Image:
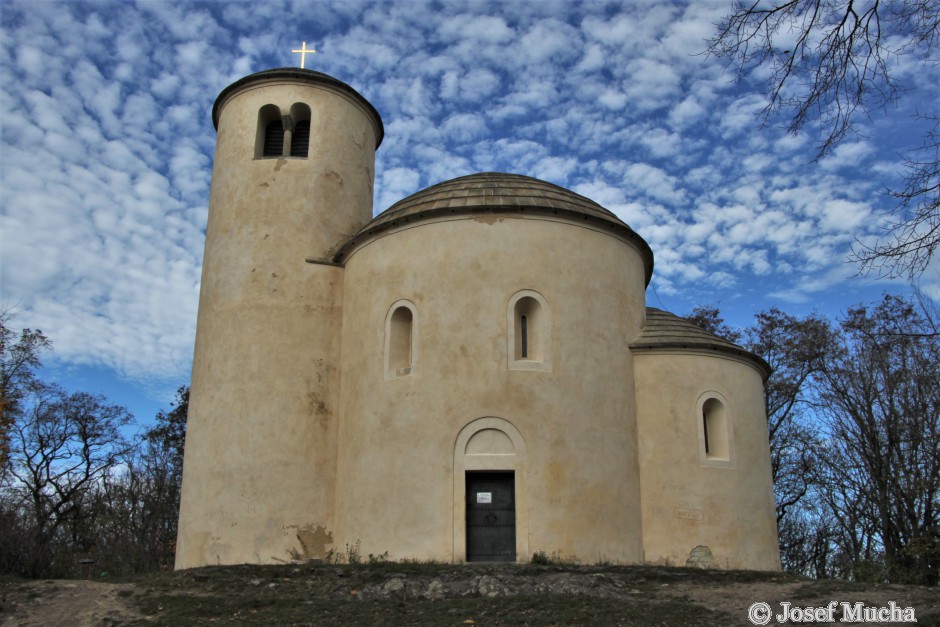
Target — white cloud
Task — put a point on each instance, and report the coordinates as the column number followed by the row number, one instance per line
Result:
column 395, row 184
column 476, row 85
column 30, row 59
column 165, row 85
column 613, row 99
column 740, row 116
column 811, row 288
column 650, row 84
column 475, row 28
column 602, row 193
column 411, row 95
column 789, row 143
column 554, row 168
column 661, row 143
column 929, row 281
column 686, row 38
column 850, row 155
column 687, row 112
column 653, row 182
column 843, row 215
column 548, row 42
column 592, row 59
column 108, row 144
column 627, row 34
column 463, row 127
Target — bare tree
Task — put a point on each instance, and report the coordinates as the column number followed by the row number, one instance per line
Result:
column 61, row 448
column 880, row 402
column 795, row 348
column 74, row 482
column 831, row 61
column 19, row 359
column 914, row 229
column 807, row 539
column 709, row 318
column 143, row 501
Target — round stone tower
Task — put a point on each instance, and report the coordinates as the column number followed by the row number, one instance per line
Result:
column 292, row 180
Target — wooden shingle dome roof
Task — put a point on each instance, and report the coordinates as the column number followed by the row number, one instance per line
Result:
column 666, row 330
column 491, row 190
column 497, row 192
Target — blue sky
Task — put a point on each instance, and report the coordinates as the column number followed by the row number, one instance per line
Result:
column 107, row 145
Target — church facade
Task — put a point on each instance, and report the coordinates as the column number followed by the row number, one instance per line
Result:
column 471, row 375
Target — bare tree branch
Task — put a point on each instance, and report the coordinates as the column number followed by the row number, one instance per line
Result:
column 831, row 61
column 913, row 232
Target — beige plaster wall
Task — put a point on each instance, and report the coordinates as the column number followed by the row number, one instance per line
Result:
column 259, row 467
column 405, row 442
column 688, row 500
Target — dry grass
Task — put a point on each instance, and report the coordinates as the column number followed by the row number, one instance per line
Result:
column 444, row 594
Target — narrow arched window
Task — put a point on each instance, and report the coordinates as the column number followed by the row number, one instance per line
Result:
column 715, row 432
column 399, row 348
column 529, row 331
column 300, row 138
column 269, row 141
column 399, row 340
column 281, row 135
column 528, row 344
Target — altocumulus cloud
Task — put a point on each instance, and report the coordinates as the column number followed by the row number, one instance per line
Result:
column 107, row 146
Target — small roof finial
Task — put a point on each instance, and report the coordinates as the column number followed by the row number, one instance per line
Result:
column 303, row 51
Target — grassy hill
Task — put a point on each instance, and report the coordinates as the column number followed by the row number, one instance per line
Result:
column 437, row 594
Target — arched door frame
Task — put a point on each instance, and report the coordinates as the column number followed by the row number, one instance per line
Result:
column 464, row 462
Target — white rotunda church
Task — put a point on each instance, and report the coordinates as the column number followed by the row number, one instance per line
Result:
column 471, row 375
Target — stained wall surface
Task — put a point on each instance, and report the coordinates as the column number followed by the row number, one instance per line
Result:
column 566, row 427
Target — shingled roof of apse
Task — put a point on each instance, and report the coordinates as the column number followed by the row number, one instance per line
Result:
column 498, row 192
column 666, row 330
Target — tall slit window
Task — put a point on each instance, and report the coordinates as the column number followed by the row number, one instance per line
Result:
column 399, row 340
column 705, row 429
column 524, row 324
column 529, row 328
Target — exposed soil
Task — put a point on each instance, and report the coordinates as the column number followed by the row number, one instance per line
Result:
column 67, row 602
column 438, row 594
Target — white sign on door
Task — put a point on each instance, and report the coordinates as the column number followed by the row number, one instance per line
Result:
column 484, row 497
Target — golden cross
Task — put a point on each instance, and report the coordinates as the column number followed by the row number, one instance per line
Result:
column 304, row 51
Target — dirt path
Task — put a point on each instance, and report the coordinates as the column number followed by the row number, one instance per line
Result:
column 68, row 602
